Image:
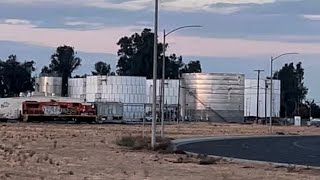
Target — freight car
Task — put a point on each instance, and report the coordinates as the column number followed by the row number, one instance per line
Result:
column 109, row 112
column 52, row 111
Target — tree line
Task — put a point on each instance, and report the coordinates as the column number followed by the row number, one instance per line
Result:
column 135, row 59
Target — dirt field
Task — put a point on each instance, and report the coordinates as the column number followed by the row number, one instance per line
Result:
column 79, row 152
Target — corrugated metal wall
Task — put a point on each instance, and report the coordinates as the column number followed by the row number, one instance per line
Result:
column 171, row 91
column 49, row 85
column 250, row 105
column 217, row 97
column 129, row 90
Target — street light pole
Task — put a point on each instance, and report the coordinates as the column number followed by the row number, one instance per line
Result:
column 164, row 70
column 271, row 85
column 162, row 82
column 271, row 92
column 155, row 59
column 258, row 95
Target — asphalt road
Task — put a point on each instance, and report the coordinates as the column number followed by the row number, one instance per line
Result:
column 291, row 150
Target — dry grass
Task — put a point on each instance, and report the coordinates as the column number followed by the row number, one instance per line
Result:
column 43, row 151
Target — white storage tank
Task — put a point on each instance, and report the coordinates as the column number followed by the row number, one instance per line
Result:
column 77, row 88
column 217, row 97
column 171, row 91
column 250, row 105
column 125, row 89
column 50, row 86
column 129, row 90
column 93, row 88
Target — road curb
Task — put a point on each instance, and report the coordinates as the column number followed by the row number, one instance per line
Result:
column 180, row 142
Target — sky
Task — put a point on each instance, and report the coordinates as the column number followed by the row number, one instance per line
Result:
column 237, row 36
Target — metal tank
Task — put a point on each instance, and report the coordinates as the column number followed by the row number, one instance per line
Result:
column 77, row 88
column 129, row 90
column 171, row 91
column 50, row 86
column 250, row 105
column 215, row 97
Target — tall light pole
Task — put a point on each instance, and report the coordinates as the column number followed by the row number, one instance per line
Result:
column 155, row 57
column 265, row 100
column 258, row 95
column 271, row 85
column 163, row 71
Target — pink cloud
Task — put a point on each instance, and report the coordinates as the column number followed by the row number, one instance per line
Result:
column 104, row 41
column 224, row 47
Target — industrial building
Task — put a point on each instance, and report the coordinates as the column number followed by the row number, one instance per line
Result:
column 216, row 97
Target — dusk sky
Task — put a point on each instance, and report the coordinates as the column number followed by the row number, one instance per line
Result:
column 237, row 36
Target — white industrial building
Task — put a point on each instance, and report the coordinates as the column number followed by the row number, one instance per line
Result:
column 250, row 104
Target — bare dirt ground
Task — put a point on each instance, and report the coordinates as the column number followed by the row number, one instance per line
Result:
column 85, row 152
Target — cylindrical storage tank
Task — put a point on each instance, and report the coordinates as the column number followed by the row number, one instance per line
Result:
column 250, row 105
column 216, row 97
column 129, row 90
column 49, row 85
column 77, row 88
column 171, row 91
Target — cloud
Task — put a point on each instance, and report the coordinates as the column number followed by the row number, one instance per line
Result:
column 217, row 6
column 236, row 47
column 313, row 17
column 17, row 21
column 171, row 5
column 83, row 24
column 103, row 40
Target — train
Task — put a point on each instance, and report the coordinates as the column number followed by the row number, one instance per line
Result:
column 40, row 110
column 51, row 111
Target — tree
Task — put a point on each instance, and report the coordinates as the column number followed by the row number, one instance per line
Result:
column 101, row 68
column 63, row 63
column 136, row 57
column 310, row 108
column 192, row 67
column 15, row 77
column 293, row 91
column 46, row 71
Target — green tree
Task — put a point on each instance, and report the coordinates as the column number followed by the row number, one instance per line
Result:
column 63, row 62
column 136, row 57
column 192, row 67
column 46, row 71
column 293, row 91
column 15, row 77
column 101, row 68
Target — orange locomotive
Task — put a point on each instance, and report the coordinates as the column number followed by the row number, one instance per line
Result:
column 51, row 111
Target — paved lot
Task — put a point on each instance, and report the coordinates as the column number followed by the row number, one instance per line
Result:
column 292, row 150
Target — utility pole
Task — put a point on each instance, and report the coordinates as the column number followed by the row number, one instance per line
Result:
column 155, row 61
column 258, row 91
